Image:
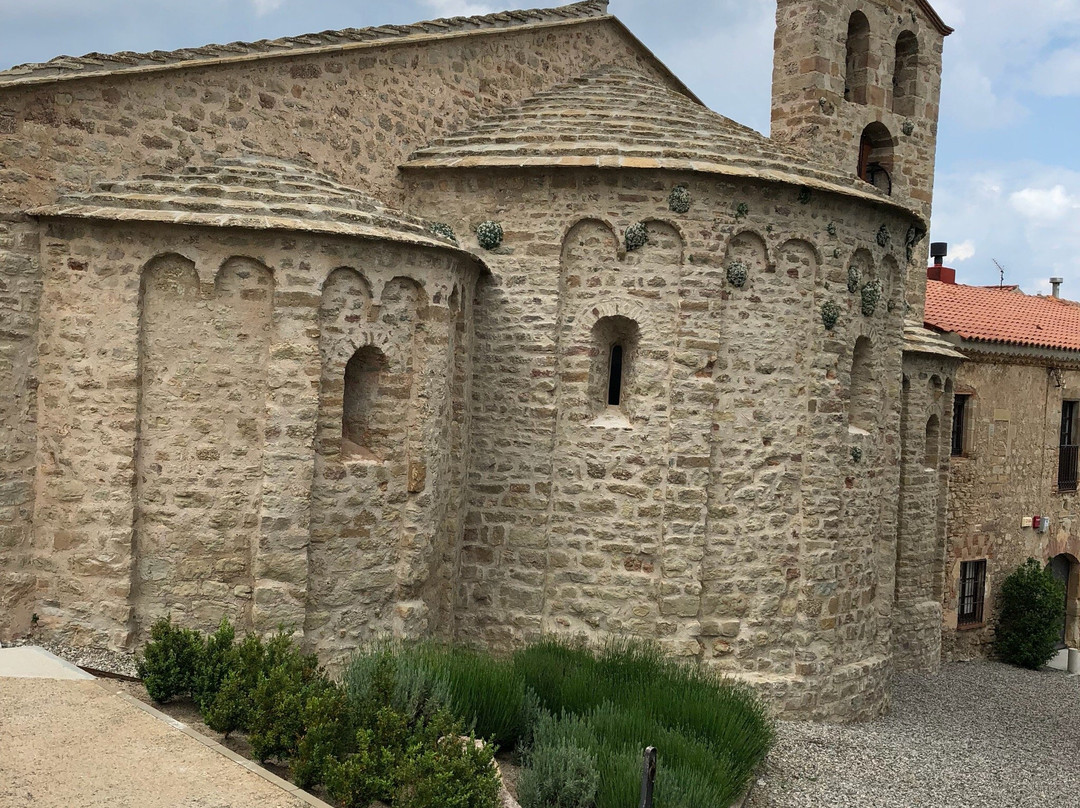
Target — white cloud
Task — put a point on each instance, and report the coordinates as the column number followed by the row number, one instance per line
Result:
column 266, row 6
column 969, row 94
column 961, row 252
column 1044, row 205
column 1058, row 74
column 460, row 8
column 1024, row 215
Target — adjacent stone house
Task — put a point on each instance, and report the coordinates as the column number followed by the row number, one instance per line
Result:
column 1013, row 449
column 481, row 329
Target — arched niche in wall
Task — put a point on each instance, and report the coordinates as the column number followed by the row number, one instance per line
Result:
column 933, row 441
column 345, row 304
column 665, row 245
column 747, row 248
column 906, row 74
column 367, row 415
column 344, row 324
column 857, row 58
column 876, row 163
column 861, row 269
column 590, row 240
column 864, row 398
column 892, row 282
column 797, row 260
column 590, row 251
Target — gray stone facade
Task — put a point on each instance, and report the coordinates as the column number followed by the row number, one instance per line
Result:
column 242, row 384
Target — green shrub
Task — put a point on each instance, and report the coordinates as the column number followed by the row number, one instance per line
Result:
column 380, row 753
column 288, row 679
column 329, row 733
column 454, row 773
column 1031, row 609
column 216, row 658
column 363, row 776
column 232, row 706
column 169, row 660
column 558, row 774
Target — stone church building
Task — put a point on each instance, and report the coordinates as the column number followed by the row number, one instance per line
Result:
column 482, row 328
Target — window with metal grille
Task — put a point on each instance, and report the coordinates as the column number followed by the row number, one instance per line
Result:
column 1067, row 447
column 959, row 417
column 969, row 608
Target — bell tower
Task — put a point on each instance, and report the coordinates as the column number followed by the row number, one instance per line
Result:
column 856, row 85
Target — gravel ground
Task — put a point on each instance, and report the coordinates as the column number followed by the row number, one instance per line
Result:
column 97, row 658
column 977, row 734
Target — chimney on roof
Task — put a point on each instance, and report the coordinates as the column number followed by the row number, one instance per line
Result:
column 940, row 272
column 1055, row 284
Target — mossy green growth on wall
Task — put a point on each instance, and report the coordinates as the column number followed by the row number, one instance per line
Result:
column 636, row 236
column 830, row 314
column 871, row 295
column 489, row 234
column 443, row 230
column 737, row 273
column 679, row 199
column 854, row 277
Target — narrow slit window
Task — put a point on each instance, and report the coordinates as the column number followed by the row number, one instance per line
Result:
column 615, row 376
column 960, row 406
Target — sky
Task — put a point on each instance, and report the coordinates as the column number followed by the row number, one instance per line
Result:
column 1008, row 171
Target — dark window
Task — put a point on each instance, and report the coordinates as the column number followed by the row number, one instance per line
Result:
column 1067, row 449
column 614, row 390
column 876, row 157
column 969, row 607
column 959, row 417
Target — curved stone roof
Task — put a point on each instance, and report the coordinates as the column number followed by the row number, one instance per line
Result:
column 93, row 64
column 253, row 192
column 619, row 118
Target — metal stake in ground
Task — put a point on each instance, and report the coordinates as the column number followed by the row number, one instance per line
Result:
column 648, row 777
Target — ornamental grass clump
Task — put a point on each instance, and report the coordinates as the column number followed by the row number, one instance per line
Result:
column 1031, row 610
column 486, row 693
column 710, row 733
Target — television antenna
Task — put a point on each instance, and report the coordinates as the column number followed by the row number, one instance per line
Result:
column 1001, row 273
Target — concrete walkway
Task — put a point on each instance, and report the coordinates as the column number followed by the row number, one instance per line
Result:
column 73, row 742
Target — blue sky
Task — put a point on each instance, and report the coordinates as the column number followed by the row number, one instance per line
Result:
column 1008, row 174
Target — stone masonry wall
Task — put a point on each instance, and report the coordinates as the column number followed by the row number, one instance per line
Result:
column 356, row 114
column 719, row 508
column 1008, row 472
column 20, row 292
column 180, row 381
column 920, row 549
column 203, row 356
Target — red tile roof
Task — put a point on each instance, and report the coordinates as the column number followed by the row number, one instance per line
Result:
column 1007, row 315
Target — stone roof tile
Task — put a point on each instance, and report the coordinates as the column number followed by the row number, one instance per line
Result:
column 252, row 191
column 620, row 117
column 68, row 67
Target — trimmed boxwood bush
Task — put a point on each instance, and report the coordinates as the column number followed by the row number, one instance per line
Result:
column 216, row 658
column 1031, row 608
column 168, row 664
